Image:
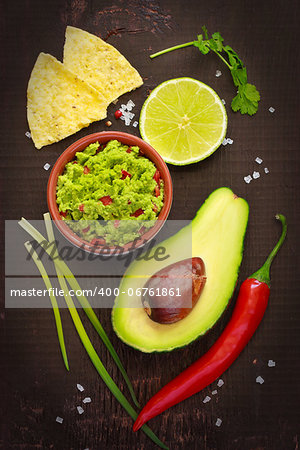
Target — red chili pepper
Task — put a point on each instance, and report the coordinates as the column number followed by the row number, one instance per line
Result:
column 85, row 230
column 249, row 310
column 129, row 150
column 157, row 191
column 63, row 213
column 125, row 174
column 156, row 176
column 137, row 213
column 81, row 207
column 117, row 223
column 106, row 200
column 155, row 208
column 75, row 162
column 98, row 241
column 86, row 170
column 118, row 114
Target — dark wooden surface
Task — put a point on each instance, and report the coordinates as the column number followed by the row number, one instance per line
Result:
column 35, row 387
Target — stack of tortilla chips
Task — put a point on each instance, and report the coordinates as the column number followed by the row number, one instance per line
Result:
column 63, row 98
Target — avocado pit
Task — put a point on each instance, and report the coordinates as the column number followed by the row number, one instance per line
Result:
column 172, row 292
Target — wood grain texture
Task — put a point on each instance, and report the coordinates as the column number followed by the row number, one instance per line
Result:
column 35, row 387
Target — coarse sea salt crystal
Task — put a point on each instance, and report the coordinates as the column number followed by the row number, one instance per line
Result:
column 271, row 363
column 223, row 101
column 207, row 399
column 80, row 410
column 224, row 142
column 220, row 382
column 214, row 392
column 218, row 73
column 259, row 380
column 126, row 119
column 47, row 166
column 87, row 400
column 130, row 103
column 135, row 124
column 59, row 419
column 229, row 141
column 271, row 109
column 28, row 134
column 258, row 160
column 266, row 170
column 247, row 179
column 124, row 107
column 218, row 422
column 79, row 387
column 130, row 115
column 255, row 175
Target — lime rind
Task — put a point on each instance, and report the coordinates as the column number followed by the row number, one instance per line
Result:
column 173, row 111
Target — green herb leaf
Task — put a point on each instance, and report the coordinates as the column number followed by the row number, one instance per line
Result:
column 201, row 44
column 216, row 42
column 233, row 57
column 239, row 76
column 246, row 101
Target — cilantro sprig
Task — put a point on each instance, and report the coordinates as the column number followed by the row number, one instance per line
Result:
column 247, row 98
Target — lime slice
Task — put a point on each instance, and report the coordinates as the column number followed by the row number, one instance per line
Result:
column 184, row 120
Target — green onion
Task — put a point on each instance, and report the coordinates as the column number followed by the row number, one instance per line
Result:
column 51, row 250
column 56, row 312
column 89, row 347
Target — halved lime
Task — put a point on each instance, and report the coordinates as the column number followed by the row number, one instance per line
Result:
column 184, row 120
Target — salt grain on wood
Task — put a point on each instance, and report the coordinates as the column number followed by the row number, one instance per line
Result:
column 79, row 387
column 247, row 179
column 220, row 382
column 135, row 124
column 87, row 400
column 80, row 410
column 59, row 419
column 266, row 170
column 218, row 422
column 214, row 392
column 255, row 175
column 207, row 399
column 229, row 141
column 259, row 380
column 271, row 363
column 27, row 134
column 47, row 166
column 224, row 142
column 258, row 160
column 271, row 109
column 218, row 73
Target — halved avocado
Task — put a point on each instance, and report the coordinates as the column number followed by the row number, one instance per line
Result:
column 218, row 231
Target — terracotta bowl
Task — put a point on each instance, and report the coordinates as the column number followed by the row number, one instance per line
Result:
column 103, row 137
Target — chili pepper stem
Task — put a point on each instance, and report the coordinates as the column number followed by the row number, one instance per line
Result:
column 263, row 274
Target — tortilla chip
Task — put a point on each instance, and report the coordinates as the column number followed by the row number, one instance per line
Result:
column 59, row 103
column 99, row 64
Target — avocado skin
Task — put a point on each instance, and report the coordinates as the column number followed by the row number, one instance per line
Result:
column 218, row 231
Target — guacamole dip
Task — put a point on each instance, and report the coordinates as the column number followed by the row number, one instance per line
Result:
column 110, row 193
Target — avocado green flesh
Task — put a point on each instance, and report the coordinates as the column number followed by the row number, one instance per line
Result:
column 218, row 232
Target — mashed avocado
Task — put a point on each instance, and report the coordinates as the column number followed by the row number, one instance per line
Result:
column 107, row 191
